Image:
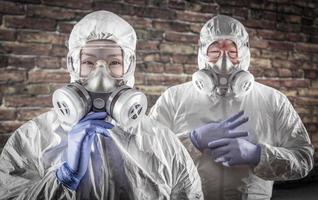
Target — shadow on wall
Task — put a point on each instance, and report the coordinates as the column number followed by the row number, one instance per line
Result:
column 305, row 188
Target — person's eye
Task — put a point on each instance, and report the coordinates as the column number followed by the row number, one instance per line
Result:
column 233, row 54
column 214, row 53
column 115, row 62
column 87, row 62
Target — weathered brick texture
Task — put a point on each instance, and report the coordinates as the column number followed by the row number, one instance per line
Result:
column 283, row 40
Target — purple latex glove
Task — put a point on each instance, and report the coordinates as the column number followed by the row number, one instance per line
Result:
column 80, row 140
column 203, row 135
column 235, row 151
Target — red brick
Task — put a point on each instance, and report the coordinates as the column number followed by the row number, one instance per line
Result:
column 272, row 35
column 181, row 37
column 27, row 101
column 210, row 8
column 190, row 69
column 307, row 101
column 41, row 37
column 177, row 48
column 42, row 11
column 288, row 27
column 138, row 22
column 241, row 12
column 177, row 4
column 25, row 114
column 12, row 75
column 12, row 88
column 149, row 34
column 270, row 73
column 170, row 25
column 283, row 64
column 255, row 52
column 147, row 45
column 83, row 4
column 274, row 54
column 152, row 67
column 193, row 16
column 152, row 57
column 58, row 50
column 298, row 73
column 43, row 76
column 270, row 82
column 297, row 37
column 46, row 62
column 25, row 48
column 196, row 28
column 261, row 63
column 7, row 114
column 11, row 8
column 257, row 72
column 264, row 24
column 65, row 27
column 153, row 12
column 3, row 61
column 295, row 83
column 136, row 2
column 29, row 23
column 7, row 127
column 21, row 61
column 7, row 35
column 311, row 74
column 261, row 44
column 280, row 45
column 283, row 72
column 308, row 92
column 185, row 59
column 300, row 56
column 36, row 89
column 173, row 68
column 307, row 47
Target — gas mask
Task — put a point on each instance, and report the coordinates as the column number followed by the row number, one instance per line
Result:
column 99, row 92
column 223, row 78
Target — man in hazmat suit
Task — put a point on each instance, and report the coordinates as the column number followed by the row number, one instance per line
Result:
column 79, row 151
column 241, row 134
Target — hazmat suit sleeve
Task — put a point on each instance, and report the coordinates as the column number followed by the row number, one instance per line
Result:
column 292, row 155
column 22, row 175
column 186, row 182
column 164, row 112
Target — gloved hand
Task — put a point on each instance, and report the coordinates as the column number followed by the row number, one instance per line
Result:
column 235, row 151
column 80, row 140
column 201, row 136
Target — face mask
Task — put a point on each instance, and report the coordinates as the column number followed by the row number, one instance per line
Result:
column 237, row 83
column 99, row 80
column 99, row 93
column 224, row 65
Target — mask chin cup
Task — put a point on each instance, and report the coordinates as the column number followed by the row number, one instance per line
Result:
column 71, row 103
column 202, row 80
column 126, row 105
column 242, row 83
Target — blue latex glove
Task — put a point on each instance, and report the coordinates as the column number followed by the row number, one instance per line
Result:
column 80, row 140
column 201, row 136
column 235, row 151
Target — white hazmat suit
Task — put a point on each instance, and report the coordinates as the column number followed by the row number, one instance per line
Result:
column 150, row 163
column 286, row 151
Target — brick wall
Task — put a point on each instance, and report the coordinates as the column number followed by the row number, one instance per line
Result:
column 283, row 35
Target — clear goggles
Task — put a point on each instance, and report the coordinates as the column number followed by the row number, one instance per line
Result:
column 222, row 47
column 110, row 57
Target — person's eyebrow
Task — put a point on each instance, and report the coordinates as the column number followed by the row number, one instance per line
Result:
column 118, row 54
column 88, row 54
